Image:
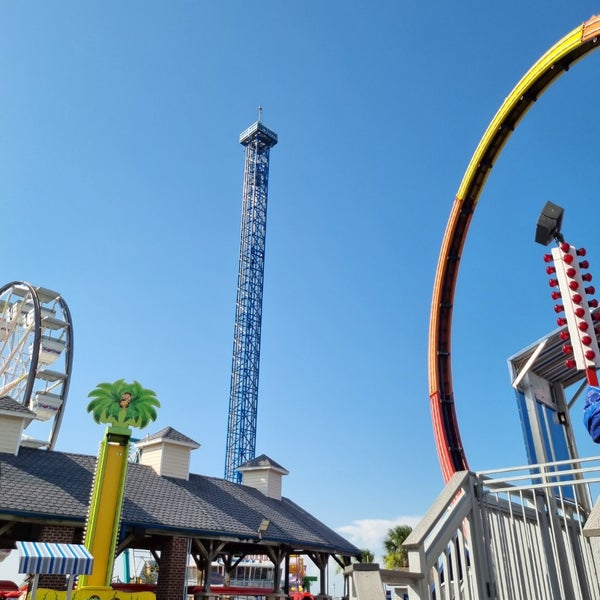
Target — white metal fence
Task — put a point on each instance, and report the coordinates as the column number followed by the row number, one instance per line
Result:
column 508, row 534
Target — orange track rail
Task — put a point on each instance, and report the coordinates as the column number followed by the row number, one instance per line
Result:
column 546, row 70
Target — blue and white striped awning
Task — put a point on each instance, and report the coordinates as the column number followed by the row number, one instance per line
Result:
column 56, row 559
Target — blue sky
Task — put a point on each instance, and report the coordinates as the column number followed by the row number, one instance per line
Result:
column 121, row 183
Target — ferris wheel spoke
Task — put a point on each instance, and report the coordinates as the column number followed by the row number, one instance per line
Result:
column 14, row 350
column 6, row 389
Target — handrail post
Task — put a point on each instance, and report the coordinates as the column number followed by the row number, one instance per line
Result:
column 485, row 581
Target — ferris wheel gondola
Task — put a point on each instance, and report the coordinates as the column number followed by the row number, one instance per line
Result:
column 36, row 355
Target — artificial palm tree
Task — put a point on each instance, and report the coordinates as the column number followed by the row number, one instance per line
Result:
column 123, row 404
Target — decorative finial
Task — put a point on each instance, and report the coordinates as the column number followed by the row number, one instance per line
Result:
column 259, row 114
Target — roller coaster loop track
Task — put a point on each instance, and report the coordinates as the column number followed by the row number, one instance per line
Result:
column 556, row 61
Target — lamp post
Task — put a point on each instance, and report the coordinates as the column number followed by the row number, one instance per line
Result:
column 569, row 286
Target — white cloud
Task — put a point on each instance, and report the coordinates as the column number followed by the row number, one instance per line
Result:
column 370, row 533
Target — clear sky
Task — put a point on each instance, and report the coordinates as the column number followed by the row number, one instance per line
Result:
column 121, row 185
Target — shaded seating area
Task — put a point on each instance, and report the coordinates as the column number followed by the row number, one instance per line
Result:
column 174, row 518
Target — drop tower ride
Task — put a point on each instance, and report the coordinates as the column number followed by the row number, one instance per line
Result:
column 243, row 399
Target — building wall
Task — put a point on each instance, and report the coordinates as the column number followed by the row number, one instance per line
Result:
column 176, row 461
column 267, row 482
column 10, row 436
column 168, row 460
column 172, row 570
column 152, row 456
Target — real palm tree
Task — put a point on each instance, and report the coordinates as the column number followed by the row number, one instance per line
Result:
column 396, row 556
column 123, row 404
column 366, row 556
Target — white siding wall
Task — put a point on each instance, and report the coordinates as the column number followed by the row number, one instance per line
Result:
column 266, row 481
column 10, row 434
column 168, row 460
column 151, row 456
column 176, row 461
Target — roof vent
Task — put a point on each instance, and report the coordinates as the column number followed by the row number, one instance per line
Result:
column 263, row 474
column 167, row 452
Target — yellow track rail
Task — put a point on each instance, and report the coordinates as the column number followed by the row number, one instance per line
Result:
column 581, row 41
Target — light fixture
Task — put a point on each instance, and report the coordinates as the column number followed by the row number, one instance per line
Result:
column 262, row 528
column 549, row 223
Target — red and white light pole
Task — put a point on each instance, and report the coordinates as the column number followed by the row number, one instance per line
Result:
column 571, row 286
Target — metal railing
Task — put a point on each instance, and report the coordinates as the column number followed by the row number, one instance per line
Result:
column 507, row 534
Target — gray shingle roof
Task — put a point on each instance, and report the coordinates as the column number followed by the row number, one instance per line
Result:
column 47, row 484
column 262, row 462
column 8, row 404
column 168, row 433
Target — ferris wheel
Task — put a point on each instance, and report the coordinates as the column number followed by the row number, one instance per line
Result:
column 36, row 356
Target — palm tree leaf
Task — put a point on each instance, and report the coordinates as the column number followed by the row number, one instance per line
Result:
column 136, row 390
column 120, row 387
column 151, row 413
column 98, row 403
column 106, row 389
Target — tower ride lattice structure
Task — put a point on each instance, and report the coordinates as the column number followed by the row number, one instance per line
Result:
column 243, row 399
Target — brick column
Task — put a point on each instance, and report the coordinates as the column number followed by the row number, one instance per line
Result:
column 56, row 534
column 172, row 580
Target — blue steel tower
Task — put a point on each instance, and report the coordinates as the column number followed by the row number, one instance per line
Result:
column 243, row 399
